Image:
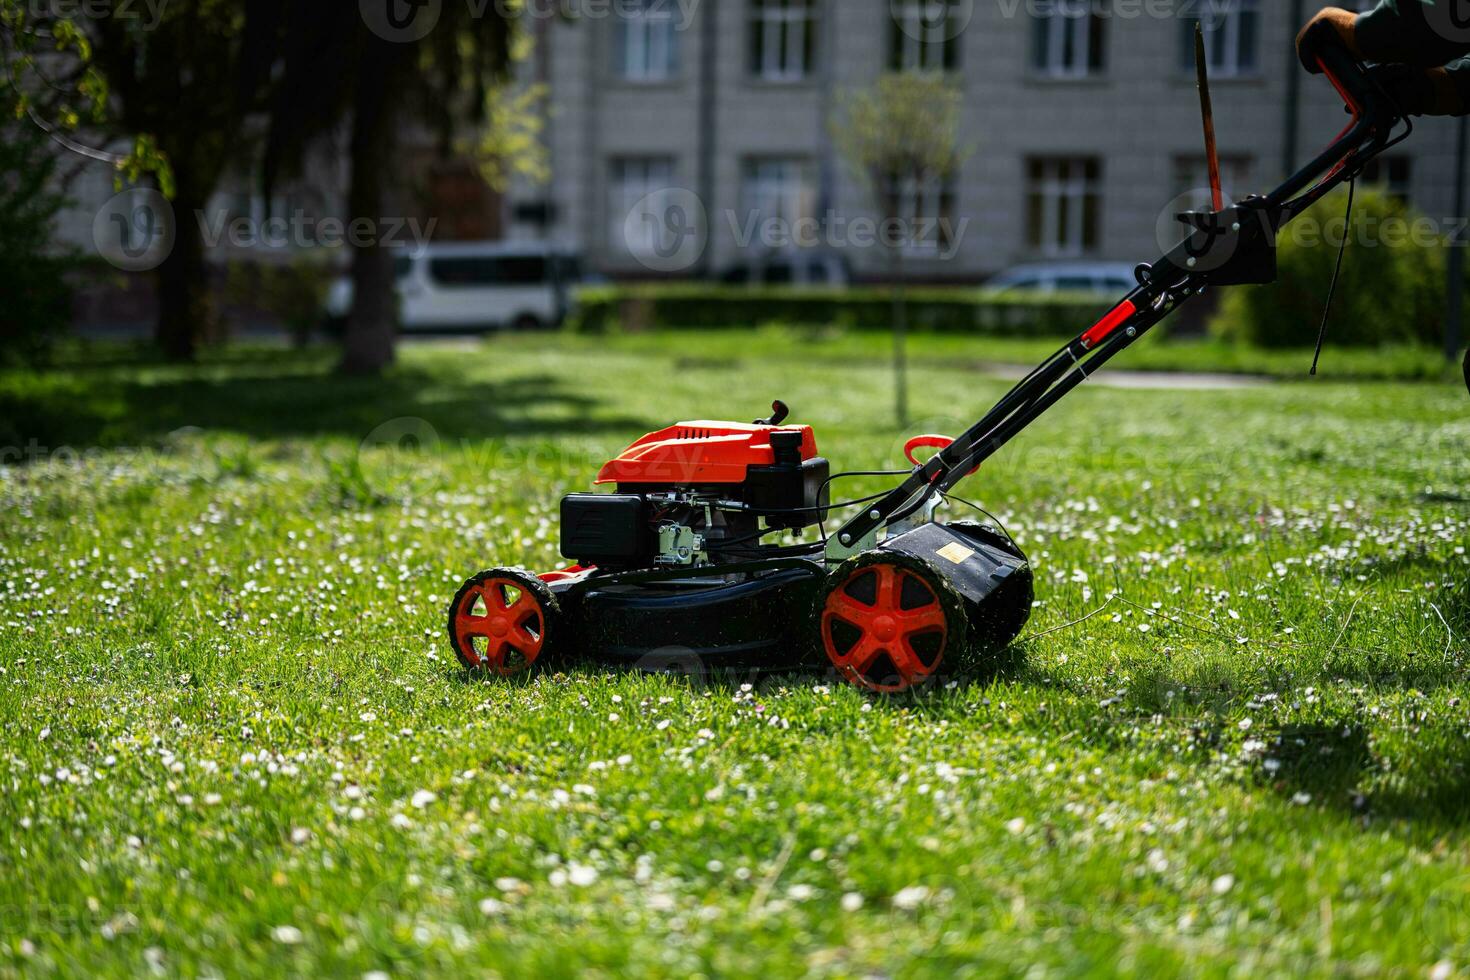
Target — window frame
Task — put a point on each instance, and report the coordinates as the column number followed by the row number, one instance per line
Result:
column 794, row 191
column 653, row 19
column 1053, row 193
column 908, row 51
column 1191, row 173
column 625, row 191
column 1223, row 27
column 782, row 32
column 908, row 197
column 1071, row 23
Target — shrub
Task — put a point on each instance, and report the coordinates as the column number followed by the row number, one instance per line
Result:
column 640, row 307
column 1392, row 288
column 294, row 292
column 33, row 267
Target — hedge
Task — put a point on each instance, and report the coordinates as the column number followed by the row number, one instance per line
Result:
column 1392, row 289
column 649, row 306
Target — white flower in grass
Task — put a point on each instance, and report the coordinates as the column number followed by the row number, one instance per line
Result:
column 851, row 902
column 508, row 884
column 491, row 906
column 801, row 893
column 423, row 798
column 910, row 898
column 1016, row 826
column 1222, row 884
column 401, row 821
column 581, row 875
column 300, row 835
column 287, row 935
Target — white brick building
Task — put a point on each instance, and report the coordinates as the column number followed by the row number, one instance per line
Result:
column 1083, row 115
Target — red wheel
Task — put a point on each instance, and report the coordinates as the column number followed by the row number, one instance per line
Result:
column 887, row 622
column 499, row 621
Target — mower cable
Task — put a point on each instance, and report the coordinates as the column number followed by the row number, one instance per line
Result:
column 976, row 507
column 1337, row 271
column 1073, row 624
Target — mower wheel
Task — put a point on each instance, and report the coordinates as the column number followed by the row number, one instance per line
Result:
column 503, row 621
column 888, row 620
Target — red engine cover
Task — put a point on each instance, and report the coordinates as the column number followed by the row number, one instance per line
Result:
column 700, row 452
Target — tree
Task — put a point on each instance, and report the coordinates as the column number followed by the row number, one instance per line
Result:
column 1391, row 290
column 904, row 128
column 338, row 66
column 32, row 270
column 181, row 84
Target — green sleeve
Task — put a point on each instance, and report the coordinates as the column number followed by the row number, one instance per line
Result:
column 1422, row 33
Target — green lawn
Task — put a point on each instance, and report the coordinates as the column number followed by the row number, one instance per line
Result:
column 235, row 741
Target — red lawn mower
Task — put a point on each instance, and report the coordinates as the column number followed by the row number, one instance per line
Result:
column 672, row 569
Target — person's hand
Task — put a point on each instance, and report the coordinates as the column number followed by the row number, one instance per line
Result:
column 1313, row 37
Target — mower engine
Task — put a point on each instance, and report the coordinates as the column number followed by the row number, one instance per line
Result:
column 695, row 494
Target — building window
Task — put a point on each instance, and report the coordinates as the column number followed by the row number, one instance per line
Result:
column 1067, row 39
column 926, row 207
column 778, row 189
column 1192, row 181
column 1393, row 175
column 640, row 187
column 783, row 39
column 1064, row 205
column 1232, row 36
column 645, row 43
column 925, row 35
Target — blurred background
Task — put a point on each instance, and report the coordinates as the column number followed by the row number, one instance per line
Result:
column 183, row 175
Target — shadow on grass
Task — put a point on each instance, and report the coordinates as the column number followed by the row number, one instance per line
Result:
column 275, row 395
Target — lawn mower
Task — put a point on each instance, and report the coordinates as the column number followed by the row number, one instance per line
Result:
column 672, row 567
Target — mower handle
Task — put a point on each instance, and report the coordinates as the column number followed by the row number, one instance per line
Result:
column 1162, row 288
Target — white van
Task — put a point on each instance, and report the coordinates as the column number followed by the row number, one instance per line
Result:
column 477, row 286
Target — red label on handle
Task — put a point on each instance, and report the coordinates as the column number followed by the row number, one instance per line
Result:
column 1104, row 328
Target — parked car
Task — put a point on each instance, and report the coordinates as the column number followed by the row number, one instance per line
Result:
column 796, row 267
column 477, row 286
column 1066, row 277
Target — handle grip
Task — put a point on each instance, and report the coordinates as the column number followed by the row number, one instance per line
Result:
column 928, row 442
column 1341, row 67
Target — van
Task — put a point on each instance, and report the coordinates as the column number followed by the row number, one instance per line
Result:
column 1103, row 278
column 476, row 286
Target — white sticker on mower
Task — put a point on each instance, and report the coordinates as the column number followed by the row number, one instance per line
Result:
column 956, row 553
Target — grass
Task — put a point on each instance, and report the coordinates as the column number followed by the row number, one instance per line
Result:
column 234, row 741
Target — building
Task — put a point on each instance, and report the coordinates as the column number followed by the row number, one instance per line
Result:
column 1083, row 115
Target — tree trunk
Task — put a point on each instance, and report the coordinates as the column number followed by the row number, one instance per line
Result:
column 184, row 301
column 367, row 344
